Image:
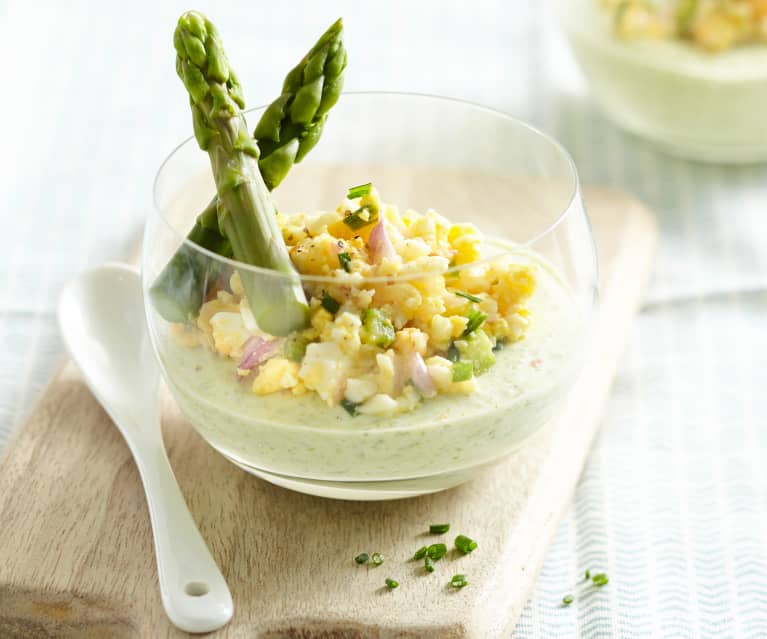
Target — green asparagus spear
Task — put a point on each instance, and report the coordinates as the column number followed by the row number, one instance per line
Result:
column 246, row 213
column 282, row 140
column 291, row 125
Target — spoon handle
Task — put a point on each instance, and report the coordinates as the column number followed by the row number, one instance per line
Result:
column 194, row 593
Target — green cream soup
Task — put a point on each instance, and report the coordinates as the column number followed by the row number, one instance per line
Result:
column 301, row 436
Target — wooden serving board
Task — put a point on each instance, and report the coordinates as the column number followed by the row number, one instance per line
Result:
column 76, row 557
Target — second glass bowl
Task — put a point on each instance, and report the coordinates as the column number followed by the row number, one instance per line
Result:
column 691, row 103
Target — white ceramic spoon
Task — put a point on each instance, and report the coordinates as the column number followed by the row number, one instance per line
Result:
column 101, row 314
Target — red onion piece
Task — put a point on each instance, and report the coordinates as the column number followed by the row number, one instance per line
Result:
column 379, row 243
column 256, row 351
column 420, row 375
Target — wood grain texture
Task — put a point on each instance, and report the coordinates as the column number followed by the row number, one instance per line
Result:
column 76, row 559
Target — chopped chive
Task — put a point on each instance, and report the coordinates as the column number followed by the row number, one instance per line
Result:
column 600, row 580
column 476, row 318
column 356, row 221
column 462, row 371
column 359, row 191
column 362, row 558
column 469, row 296
column 345, row 260
column 452, row 353
column 465, row 544
column 428, row 564
column 329, row 304
column 377, row 558
column 459, row 581
column 439, row 529
column 436, row 551
column 350, row 407
column 567, row 600
column 391, row 584
column 420, row 553
column 587, row 575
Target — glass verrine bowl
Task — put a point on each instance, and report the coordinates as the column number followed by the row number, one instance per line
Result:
column 330, row 432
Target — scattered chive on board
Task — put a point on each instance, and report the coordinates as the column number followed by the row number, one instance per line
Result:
column 420, row 553
column 377, row 558
column 567, row 600
column 428, row 564
column 391, row 584
column 459, row 581
column 439, row 529
column 465, row 544
column 362, row 558
column 359, row 191
column 469, row 296
column 587, row 575
column 436, row 551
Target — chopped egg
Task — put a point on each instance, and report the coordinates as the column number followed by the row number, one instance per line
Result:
column 275, row 375
column 388, row 306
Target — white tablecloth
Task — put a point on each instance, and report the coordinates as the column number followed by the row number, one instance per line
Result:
column 673, row 499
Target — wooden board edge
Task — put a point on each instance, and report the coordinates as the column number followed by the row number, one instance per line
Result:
column 61, row 615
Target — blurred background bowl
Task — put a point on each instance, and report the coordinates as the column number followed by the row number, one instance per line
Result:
column 691, row 103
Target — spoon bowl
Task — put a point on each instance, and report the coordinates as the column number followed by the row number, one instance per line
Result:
column 101, row 316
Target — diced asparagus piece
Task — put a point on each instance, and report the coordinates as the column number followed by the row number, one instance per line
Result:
column 246, row 213
column 476, row 349
column 377, row 329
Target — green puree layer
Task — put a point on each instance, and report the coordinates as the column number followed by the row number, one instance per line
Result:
column 304, row 437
